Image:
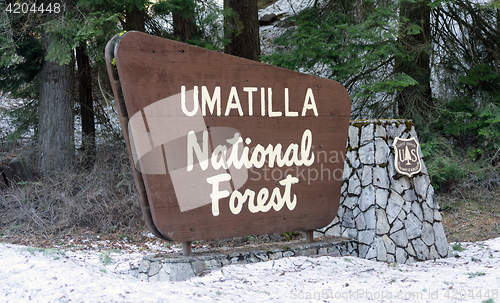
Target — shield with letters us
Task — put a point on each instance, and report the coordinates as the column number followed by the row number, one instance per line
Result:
column 407, row 161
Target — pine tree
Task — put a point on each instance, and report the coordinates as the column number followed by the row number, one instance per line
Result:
column 55, row 110
column 414, row 59
column 242, row 29
column 407, row 157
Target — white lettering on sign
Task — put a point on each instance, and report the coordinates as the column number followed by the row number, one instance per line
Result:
column 238, row 155
column 261, row 204
column 273, row 154
column 213, row 103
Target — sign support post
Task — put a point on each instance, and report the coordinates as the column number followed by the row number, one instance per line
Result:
column 186, row 248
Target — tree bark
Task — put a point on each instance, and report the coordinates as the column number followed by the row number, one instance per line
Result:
column 86, row 105
column 135, row 20
column 55, row 115
column 184, row 27
column 417, row 99
column 243, row 29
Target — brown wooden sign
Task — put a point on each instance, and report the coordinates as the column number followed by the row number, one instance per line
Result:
column 407, row 160
column 222, row 146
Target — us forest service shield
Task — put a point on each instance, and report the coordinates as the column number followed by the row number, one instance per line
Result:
column 407, row 160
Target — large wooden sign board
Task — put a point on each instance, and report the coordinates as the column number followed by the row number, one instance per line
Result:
column 223, row 146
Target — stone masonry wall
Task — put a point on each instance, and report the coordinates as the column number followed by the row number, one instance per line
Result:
column 392, row 217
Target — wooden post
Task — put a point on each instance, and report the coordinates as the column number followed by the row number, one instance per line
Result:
column 186, row 248
column 309, row 236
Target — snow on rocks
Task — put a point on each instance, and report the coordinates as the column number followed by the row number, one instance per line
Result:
column 393, row 217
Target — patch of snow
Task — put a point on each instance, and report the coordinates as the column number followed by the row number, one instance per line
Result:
column 85, row 275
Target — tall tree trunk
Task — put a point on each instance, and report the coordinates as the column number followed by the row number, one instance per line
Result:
column 184, row 27
column 86, row 105
column 415, row 100
column 243, row 29
column 55, row 115
column 135, row 20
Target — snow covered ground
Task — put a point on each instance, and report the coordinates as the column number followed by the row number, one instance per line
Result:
column 90, row 275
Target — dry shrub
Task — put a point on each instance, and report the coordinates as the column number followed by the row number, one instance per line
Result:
column 102, row 199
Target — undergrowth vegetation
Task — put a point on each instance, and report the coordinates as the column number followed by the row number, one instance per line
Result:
column 102, row 199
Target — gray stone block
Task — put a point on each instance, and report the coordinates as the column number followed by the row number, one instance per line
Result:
column 144, row 266
column 381, row 197
column 382, row 151
column 367, row 176
column 390, row 247
column 410, row 196
column 353, row 136
column 199, row 266
column 343, row 189
column 396, row 225
column 181, row 271
column 441, row 243
column 322, row 251
column 363, row 250
column 370, row 218
column 276, row 255
column 341, row 211
column 372, row 253
column 391, row 170
column 437, row 215
column 163, row 275
column 211, row 264
column 401, row 255
column 154, row 268
column 427, row 233
column 431, row 198
column 382, row 223
column 348, row 220
column 346, row 174
column 428, row 213
column 367, row 154
column 406, row 207
column 333, row 231
column 366, row 237
column 355, row 212
column 413, row 226
column 333, row 250
column 394, row 206
column 410, row 250
column 354, row 187
column 421, row 183
column 367, row 198
column 353, row 158
column 400, row 185
column 394, row 130
column 350, row 233
column 417, row 210
column 360, row 222
column 421, row 249
column 307, row 252
column 380, row 177
column 367, row 133
column 380, row 131
column 262, row 256
column 400, row 238
column 433, row 254
column 381, row 251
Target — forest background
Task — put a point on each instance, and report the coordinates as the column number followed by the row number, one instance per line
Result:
column 434, row 62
